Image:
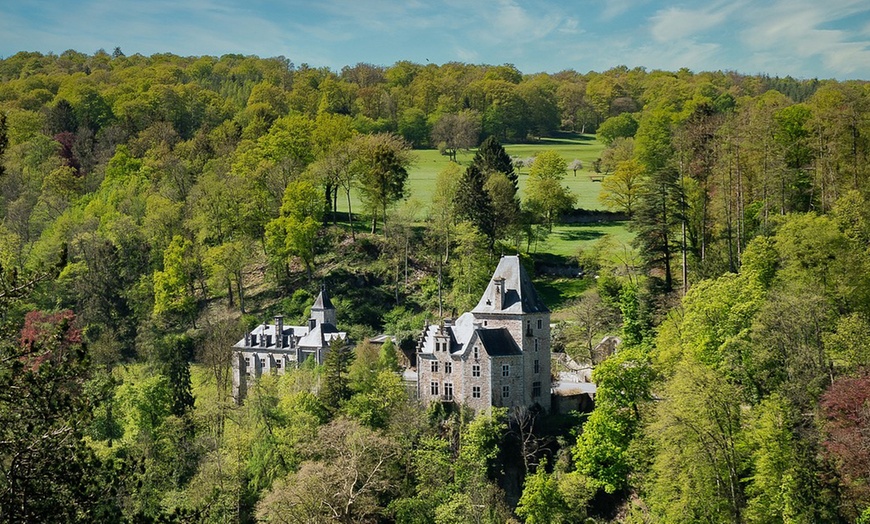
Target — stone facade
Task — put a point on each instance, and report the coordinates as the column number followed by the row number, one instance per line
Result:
column 273, row 348
column 498, row 354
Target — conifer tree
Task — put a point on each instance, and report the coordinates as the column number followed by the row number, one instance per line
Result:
column 473, row 203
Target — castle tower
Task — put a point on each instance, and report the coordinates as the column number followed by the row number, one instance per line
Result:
column 323, row 312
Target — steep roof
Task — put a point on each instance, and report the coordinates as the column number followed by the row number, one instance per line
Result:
column 322, row 301
column 519, row 293
column 498, row 342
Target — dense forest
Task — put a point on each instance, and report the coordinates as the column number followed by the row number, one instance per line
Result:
column 153, row 208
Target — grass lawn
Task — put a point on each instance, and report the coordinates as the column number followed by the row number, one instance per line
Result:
column 421, row 176
column 565, row 241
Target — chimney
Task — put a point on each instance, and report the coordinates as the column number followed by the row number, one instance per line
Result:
column 279, row 331
column 499, row 291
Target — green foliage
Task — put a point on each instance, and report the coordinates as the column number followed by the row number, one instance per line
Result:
column 621, row 126
column 603, row 449
column 335, row 389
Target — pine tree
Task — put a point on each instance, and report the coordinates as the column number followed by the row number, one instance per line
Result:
column 491, row 157
column 473, row 203
column 335, row 388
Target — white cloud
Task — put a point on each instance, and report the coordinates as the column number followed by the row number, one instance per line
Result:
column 802, row 30
column 676, row 23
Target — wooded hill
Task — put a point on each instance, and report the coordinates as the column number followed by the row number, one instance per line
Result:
column 150, row 203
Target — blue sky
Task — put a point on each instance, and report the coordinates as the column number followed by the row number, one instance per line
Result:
column 801, row 38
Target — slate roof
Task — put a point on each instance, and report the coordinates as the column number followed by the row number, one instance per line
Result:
column 322, row 301
column 520, row 295
column 498, row 342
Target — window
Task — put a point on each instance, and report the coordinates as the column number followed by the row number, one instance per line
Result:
column 278, row 364
column 434, row 388
column 448, row 391
column 475, row 370
column 536, row 389
column 537, row 366
column 247, row 362
column 448, row 367
column 528, row 328
column 262, row 362
column 505, row 370
column 540, row 323
column 435, row 367
column 505, row 392
column 476, row 353
column 475, row 391
column 536, row 344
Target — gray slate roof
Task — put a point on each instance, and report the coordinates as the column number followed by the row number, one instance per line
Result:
column 520, row 294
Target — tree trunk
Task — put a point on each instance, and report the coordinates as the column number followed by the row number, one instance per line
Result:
column 350, row 216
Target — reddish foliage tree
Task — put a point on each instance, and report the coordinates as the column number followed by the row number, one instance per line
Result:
column 845, row 411
column 48, row 335
column 67, row 141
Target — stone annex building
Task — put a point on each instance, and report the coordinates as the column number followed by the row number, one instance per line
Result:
column 498, row 354
column 272, row 348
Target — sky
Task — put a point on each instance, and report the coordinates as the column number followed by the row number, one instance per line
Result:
column 800, row 38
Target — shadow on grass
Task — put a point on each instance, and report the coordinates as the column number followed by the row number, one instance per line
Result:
column 559, row 292
column 580, row 234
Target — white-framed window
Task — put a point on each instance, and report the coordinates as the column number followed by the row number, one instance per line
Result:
column 448, row 391
column 448, row 367
column 505, row 391
column 475, row 391
column 475, row 370
column 537, row 366
column 278, row 363
column 505, row 370
column 435, row 367
column 433, row 388
column 262, row 362
column 247, row 362
column 536, row 389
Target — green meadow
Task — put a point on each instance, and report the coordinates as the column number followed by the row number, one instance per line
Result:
column 566, row 241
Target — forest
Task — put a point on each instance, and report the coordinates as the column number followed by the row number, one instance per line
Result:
column 154, row 208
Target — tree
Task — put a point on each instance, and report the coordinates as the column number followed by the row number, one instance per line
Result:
column 173, row 287
column 491, row 157
column 545, row 194
column 473, row 203
column 47, row 471
column 414, row 127
column 383, row 173
column 541, row 501
column 698, row 469
column 294, row 233
column 621, row 126
column 453, row 132
column 575, row 166
column 603, row 450
column 619, row 191
column 844, row 420
column 335, row 388
column 344, row 485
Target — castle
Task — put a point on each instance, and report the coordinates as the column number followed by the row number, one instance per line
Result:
column 498, row 354
column 269, row 348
